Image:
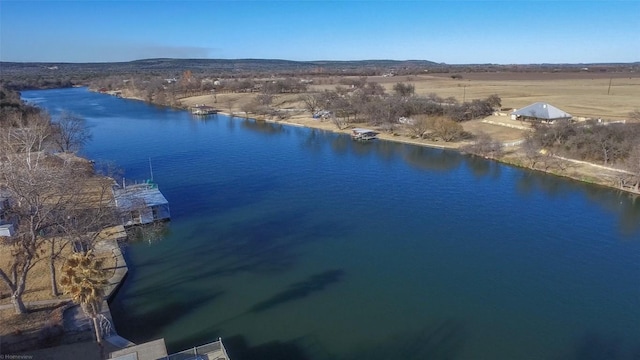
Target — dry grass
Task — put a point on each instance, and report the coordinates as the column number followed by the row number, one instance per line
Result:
column 38, row 279
column 583, row 97
column 82, row 350
column 580, row 94
column 13, row 324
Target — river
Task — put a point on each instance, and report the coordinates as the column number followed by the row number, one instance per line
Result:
column 293, row 243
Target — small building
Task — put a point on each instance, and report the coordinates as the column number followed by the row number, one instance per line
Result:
column 540, row 111
column 203, row 110
column 7, row 230
column 7, row 224
column 363, row 134
column 141, row 204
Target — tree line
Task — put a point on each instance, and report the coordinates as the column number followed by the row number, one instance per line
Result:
column 427, row 117
column 54, row 200
column 609, row 144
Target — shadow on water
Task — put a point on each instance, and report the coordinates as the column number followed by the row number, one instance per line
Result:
column 265, row 245
column 595, row 346
column 150, row 324
column 624, row 205
column 293, row 292
column 442, row 341
column 299, row 290
column 481, row 167
column 314, row 140
column 340, row 144
column 239, row 349
column 388, row 150
column 263, row 127
column 432, row 159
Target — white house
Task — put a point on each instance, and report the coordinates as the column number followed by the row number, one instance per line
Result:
column 540, row 111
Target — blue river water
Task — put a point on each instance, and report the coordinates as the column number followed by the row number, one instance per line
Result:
column 293, row 243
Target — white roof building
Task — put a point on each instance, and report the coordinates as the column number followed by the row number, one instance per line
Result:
column 540, row 111
column 141, row 204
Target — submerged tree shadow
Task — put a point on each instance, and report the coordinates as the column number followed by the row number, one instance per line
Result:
column 442, row 341
column 238, row 349
column 432, row 159
column 293, row 292
column 299, row 290
column 150, row 324
column 595, row 346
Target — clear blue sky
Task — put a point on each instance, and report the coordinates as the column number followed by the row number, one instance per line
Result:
column 454, row 32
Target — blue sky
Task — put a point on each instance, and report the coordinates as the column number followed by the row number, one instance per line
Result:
column 454, row 32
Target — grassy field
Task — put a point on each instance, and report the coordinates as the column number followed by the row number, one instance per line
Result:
column 38, row 280
column 581, row 94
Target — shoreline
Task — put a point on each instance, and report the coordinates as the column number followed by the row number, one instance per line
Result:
column 505, row 159
column 509, row 158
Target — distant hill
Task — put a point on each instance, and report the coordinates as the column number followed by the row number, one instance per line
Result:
column 22, row 75
column 210, row 65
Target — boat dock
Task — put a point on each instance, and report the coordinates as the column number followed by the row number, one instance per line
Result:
column 203, row 110
column 363, row 134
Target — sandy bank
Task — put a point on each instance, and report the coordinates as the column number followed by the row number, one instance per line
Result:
column 230, row 105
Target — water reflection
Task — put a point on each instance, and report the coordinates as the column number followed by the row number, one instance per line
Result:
column 624, row 205
column 431, row 159
column 482, row 168
column 361, row 148
column 299, row 290
column 440, row 341
column 387, row 150
column 314, row 140
column 340, row 144
column 263, row 126
column 530, row 182
column 148, row 233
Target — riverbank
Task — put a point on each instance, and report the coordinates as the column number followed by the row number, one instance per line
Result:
column 267, row 208
column 497, row 127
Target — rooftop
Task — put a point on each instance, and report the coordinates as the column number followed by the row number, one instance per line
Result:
column 132, row 197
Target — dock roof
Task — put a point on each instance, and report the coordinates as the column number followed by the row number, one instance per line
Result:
column 134, row 197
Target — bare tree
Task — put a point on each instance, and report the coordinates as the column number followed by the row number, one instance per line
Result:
column 44, row 198
column 485, row 146
column 71, row 132
column 447, row 130
column 89, row 209
column 494, row 101
column 633, row 164
column 229, row 102
column 419, row 125
column 265, row 99
column 23, row 178
column 532, row 151
column 312, row 102
column 404, row 90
